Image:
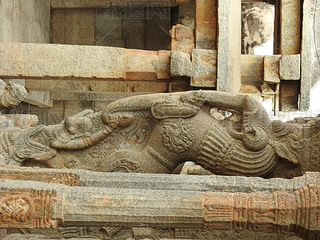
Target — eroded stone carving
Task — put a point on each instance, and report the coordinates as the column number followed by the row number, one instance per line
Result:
column 31, row 209
column 157, row 132
column 11, row 94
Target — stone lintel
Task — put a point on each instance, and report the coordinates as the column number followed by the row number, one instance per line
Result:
column 53, row 61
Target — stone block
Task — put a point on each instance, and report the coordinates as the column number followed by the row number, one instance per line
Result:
column 271, row 69
column 290, row 67
column 206, row 24
column 182, row 38
column 252, row 69
column 204, row 68
column 180, row 65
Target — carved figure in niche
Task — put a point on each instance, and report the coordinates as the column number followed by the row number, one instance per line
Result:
column 157, row 132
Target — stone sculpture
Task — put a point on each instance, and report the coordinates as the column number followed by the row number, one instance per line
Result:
column 157, row 132
column 11, row 94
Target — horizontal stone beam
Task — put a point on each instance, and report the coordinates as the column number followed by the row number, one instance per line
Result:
column 41, row 99
column 212, row 183
column 52, row 61
column 28, row 204
column 113, row 3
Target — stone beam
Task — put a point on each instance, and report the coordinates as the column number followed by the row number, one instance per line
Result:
column 52, row 61
column 91, row 96
column 84, row 178
column 229, row 46
column 113, row 3
column 41, row 99
column 293, row 206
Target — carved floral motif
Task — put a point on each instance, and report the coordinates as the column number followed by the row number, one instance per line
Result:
column 17, row 208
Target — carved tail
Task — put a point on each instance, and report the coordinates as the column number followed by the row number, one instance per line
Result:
column 224, row 155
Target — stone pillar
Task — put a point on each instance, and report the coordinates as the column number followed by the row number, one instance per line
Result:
column 229, row 46
column 307, row 49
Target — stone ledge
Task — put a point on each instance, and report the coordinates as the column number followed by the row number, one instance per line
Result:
column 53, row 61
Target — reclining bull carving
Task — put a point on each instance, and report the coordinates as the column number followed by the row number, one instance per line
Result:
column 157, row 132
